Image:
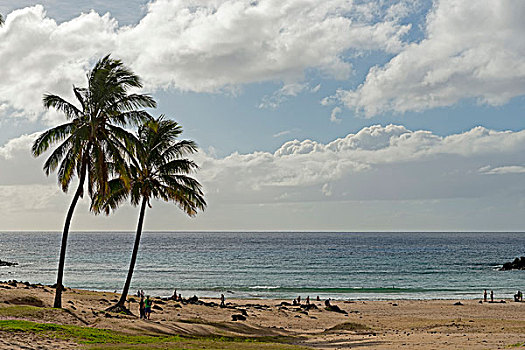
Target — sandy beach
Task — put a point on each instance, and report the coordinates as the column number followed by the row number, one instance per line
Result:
column 417, row 324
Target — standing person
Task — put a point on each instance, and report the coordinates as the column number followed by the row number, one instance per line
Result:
column 222, row 301
column 308, row 300
column 141, row 308
column 147, row 309
column 491, row 296
column 485, row 296
column 299, row 300
column 174, row 296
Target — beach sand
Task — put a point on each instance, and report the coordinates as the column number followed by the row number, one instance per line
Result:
column 416, row 324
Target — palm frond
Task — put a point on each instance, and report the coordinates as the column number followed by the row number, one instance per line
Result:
column 49, row 137
column 61, row 105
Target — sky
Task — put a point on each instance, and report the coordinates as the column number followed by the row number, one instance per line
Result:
column 310, row 115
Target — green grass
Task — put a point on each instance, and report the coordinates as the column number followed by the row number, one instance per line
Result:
column 82, row 335
column 25, row 311
column 96, row 338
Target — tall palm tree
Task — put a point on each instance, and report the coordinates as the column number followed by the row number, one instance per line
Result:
column 158, row 170
column 89, row 141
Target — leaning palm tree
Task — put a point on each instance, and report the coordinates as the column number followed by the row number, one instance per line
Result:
column 157, row 169
column 89, row 141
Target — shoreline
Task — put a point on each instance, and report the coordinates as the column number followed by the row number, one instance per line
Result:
column 387, row 324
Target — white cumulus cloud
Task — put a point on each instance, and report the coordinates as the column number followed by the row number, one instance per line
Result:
column 472, row 50
column 202, row 46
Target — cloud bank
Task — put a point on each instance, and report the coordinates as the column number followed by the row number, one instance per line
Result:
column 376, row 165
column 201, row 46
column 471, row 50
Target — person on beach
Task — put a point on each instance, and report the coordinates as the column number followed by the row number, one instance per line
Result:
column 174, row 296
column 147, row 307
column 299, row 300
column 308, row 300
column 318, row 299
column 491, row 296
column 222, row 301
column 180, row 297
column 142, row 308
column 485, row 296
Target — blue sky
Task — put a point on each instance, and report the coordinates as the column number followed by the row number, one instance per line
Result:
column 291, row 102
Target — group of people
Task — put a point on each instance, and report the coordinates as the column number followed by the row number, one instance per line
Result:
column 517, row 297
column 175, row 296
column 144, row 305
column 491, row 296
column 297, row 301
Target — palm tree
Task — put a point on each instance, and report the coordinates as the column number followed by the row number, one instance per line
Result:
column 158, row 170
column 89, row 141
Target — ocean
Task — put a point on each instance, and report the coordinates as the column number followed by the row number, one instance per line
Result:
column 371, row 266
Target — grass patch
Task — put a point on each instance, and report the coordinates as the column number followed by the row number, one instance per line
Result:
column 97, row 338
column 24, row 311
column 82, row 335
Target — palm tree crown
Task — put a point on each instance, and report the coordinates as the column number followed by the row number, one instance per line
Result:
column 94, row 129
column 157, row 170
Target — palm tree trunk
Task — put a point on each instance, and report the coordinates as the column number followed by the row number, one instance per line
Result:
column 125, row 291
column 65, row 233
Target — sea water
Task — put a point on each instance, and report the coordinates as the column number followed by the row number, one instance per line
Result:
column 275, row 264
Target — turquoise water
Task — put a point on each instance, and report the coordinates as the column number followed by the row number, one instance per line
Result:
column 276, row 265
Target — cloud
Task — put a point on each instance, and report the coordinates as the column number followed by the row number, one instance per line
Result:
column 206, row 46
column 40, row 56
column 509, row 169
column 285, row 92
column 333, row 116
column 282, row 133
column 377, row 163
column 201, row 46
column 471, row 50
column 379, row 173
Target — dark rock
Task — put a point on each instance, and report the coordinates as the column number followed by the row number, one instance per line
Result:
column 458, row 303
column 7, row 263
column 193, row 300
column 238, row 318
column 156, row 307
column 516, row 264
column 334, row 308
column 309, row 306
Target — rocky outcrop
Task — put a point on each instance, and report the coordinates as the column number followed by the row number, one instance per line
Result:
column 517, row 264
column 7, row 263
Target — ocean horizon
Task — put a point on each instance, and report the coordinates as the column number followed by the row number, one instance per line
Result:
column 284, row 265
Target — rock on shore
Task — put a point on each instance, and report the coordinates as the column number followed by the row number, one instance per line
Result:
column 7, row 263
column 517, row 264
